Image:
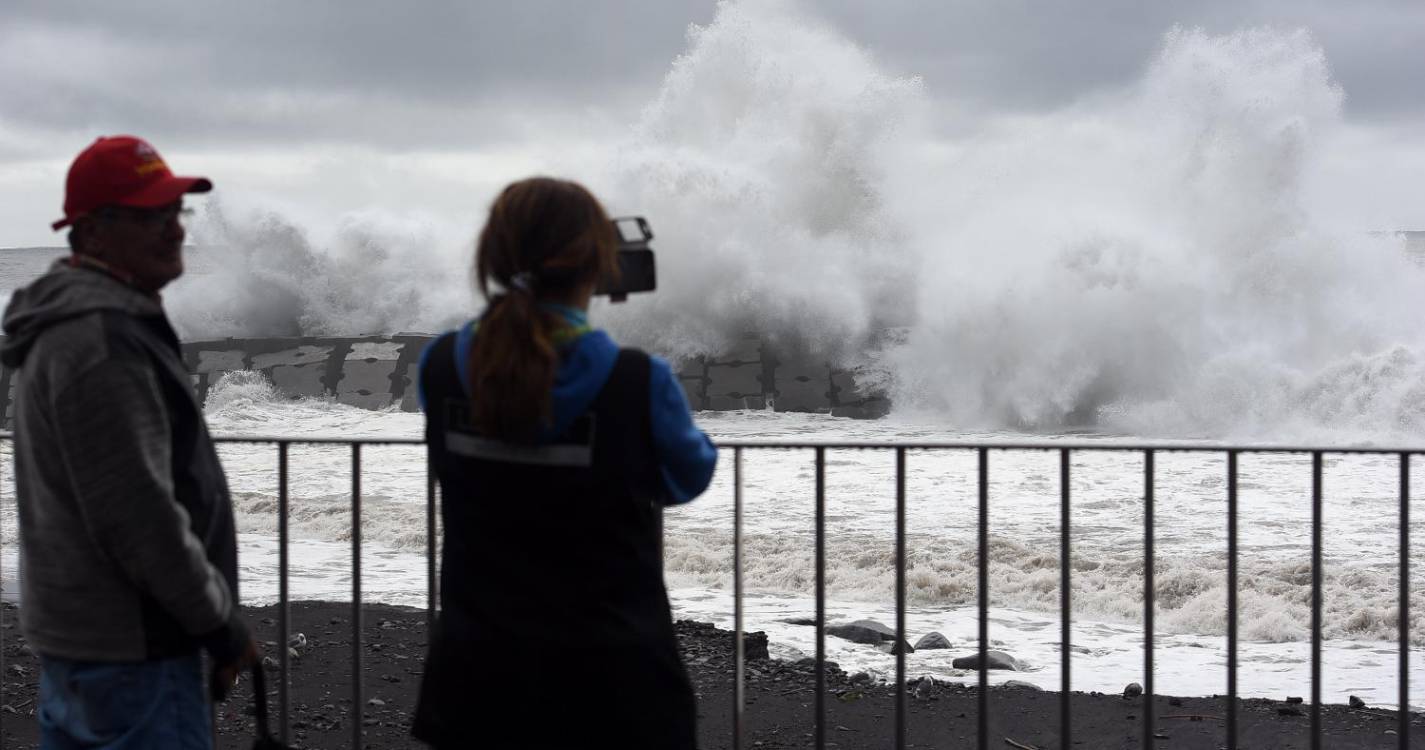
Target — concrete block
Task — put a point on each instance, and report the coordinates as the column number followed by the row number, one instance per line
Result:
column 854, row 401
column 411, row 401
column 728, row 403
column 365, row 401
column 221, row 360
column 693, row 368
column 364, row 383
column 374, row 350
column 302, row 355
column 844, row 389
column 802, row 388
column 299, row 381
column 871, row 408
column 742, row 351
column 735, row 381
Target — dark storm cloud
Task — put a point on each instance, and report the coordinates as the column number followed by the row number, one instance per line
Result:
column 320, row 90
column 1024, row 55
column 440, row 72
column 449, row 74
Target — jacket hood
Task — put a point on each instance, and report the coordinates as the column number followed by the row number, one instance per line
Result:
column 65, row 292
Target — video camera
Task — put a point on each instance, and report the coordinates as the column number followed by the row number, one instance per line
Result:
column 637, row 272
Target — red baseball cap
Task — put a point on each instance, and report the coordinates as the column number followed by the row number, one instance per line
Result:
column 122, row 170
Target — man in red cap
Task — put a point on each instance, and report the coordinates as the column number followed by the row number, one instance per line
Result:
column 127, row 543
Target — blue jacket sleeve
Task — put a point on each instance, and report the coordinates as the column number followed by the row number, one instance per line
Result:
column 686, row 455
column 425, row 359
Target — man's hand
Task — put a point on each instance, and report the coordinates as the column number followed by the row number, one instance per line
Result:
column 226, row 675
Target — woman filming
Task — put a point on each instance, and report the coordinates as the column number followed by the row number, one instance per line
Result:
column 555, row 451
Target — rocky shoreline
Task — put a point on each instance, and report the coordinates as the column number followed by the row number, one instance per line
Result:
column 779, row 712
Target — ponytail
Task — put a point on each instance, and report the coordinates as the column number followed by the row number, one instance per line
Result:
column 544, row 236
column 512, row 366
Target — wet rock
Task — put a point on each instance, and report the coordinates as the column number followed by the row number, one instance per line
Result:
column 925, row 688
column 1132, row 690
column 932, row 640
column 1357, row 702
column 994, row 660
column 754, row 646
column 1293, row 699
column 1021, row 685
column 809, row 664
column 869, row 632
column 806, row 621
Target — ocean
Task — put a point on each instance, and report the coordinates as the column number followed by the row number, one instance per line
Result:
column 1359, row 573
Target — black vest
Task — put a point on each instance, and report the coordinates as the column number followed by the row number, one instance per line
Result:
column 542, row 539
column 552, row 568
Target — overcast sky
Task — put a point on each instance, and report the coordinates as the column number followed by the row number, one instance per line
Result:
column 325, row 108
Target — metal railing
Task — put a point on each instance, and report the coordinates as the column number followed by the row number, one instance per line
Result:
column 982, row 451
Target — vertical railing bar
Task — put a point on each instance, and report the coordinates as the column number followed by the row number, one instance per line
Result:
column 900, row 599
column 432, row 585
column 983, row 720
column 820, row 598
column 1403, row 715
column 1065, row 601
column 1316, row 517
column 284, row 608
column 356, row 693
column 1232, row 600
column 1149, row 594
column 2, row 578
column 738, row 652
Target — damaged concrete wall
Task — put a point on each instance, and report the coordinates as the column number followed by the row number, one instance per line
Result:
column 374, row 372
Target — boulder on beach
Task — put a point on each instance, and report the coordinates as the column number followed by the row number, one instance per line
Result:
column 933, row 639
column 754, row 646
column 994, row 660
column 868, row 632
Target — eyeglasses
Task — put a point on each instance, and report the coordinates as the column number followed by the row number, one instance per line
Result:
column 152, row 218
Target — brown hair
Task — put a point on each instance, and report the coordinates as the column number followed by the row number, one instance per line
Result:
column 544, row 238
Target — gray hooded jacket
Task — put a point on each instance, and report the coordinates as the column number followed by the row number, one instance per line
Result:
column 127, row 543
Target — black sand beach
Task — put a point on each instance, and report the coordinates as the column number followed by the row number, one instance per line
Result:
column 779, row 712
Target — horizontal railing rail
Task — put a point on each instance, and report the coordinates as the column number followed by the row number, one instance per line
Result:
column 982, row 450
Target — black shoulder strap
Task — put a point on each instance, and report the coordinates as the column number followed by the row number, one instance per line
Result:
column 440, row 375
column 628, row 383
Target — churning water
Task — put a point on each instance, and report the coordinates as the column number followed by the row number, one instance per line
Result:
column 1359, row 575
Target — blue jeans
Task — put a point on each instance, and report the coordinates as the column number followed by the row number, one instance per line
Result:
column 117, row 706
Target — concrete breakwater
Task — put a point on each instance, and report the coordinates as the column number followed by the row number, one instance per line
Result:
column 376, row 372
